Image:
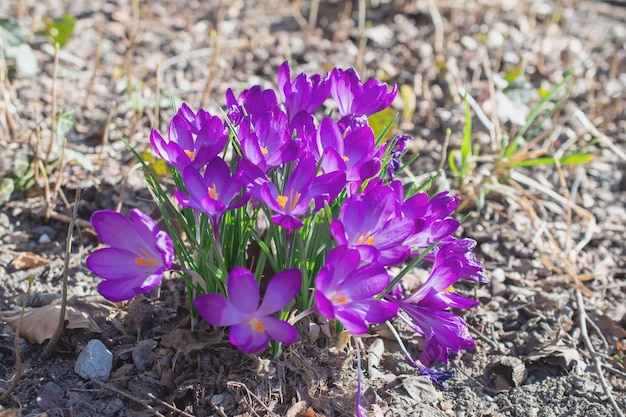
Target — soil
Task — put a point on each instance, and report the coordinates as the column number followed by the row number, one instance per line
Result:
column 552, row 237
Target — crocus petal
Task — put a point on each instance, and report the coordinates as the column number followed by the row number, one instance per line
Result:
column 118, row 264
column 282, row 288
column 243, row 290
column 215, row 309
column 279, row 330
column 323, row 304
column 287, row 221
column 351, row 320
column 115, row 229
column 251, row 342
column 121, row 290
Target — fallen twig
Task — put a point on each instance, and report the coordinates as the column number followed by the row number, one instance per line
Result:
column 128, row 396
column 18, row 353
column 66, row 266
column 582, row 323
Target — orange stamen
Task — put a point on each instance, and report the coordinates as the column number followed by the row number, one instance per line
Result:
column 147, row 260
column 256, row 325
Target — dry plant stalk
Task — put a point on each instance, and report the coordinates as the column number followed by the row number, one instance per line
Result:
column 66, row 266
column 18, row 353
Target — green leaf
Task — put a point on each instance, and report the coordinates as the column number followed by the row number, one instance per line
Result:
column 466, row 143
column 60, row 30
column 7, row 186
column 574, row 159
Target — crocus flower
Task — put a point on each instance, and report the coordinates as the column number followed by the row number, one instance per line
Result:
column 251, row 324
column 267, row 143
column 372, row 223
column 214, row 192
column 252, row 102
column 445, row 332
column 356, row 99
column 192, row 139
column 304, row 94
column 431, row 216
column 355, row 154
column 138, row 255
column 300, row 189
column 345, row 291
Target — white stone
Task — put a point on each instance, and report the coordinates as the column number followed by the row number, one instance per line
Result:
column 95, row 361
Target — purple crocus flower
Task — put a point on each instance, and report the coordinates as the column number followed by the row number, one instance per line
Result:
column 304, row 94
column 252, row 102
column 251, row 324
column 301, row 187
column 355, row 154
column 373, row 224
column 356, row 99
column 345, row 291
column 431, row 216
column 214, row 192
column 268, row 143
column 138, row 255
column 445, row 332
column 192, row 139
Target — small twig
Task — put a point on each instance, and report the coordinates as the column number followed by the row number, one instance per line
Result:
column 315, row 6
column 18, row 352
column 107, row 128
column 66, row 266
column 435, row 16
column 216, row 54
column 602, row 138
column 252, row 395
column 96, row 59
column 169, row 406
column 358, row 64
column 128, row 396
column 53, row 111
column 582, row 322
column 123, row 185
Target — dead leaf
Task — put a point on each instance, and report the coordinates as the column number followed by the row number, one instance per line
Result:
column 17, row 412
column 607, row 325
column 505, row 374
column 27, row 260
column 185, row 341
column 40, row 323
column 563, row 357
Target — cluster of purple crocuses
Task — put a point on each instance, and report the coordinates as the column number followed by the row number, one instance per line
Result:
column 314, row 188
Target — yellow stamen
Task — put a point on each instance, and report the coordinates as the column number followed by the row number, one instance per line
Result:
column 213, row 192
column 281, row 200
column 147, row 260
column 263, row 150
column 256, row 325
column 449, row 289
column 345, row 158
column 338, row 298
column 365, row 239
column 293, row 201
column 190, row 154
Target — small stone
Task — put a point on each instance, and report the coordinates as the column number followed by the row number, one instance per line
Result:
column 95, row 361
column 44, row 239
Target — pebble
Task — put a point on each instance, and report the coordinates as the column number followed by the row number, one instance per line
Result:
column 95, row 361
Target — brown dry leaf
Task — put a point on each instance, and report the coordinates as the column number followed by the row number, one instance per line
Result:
column 186, row 341
column 608, row 326
column 17, row 412
column 27, row 260
column 40, row 323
